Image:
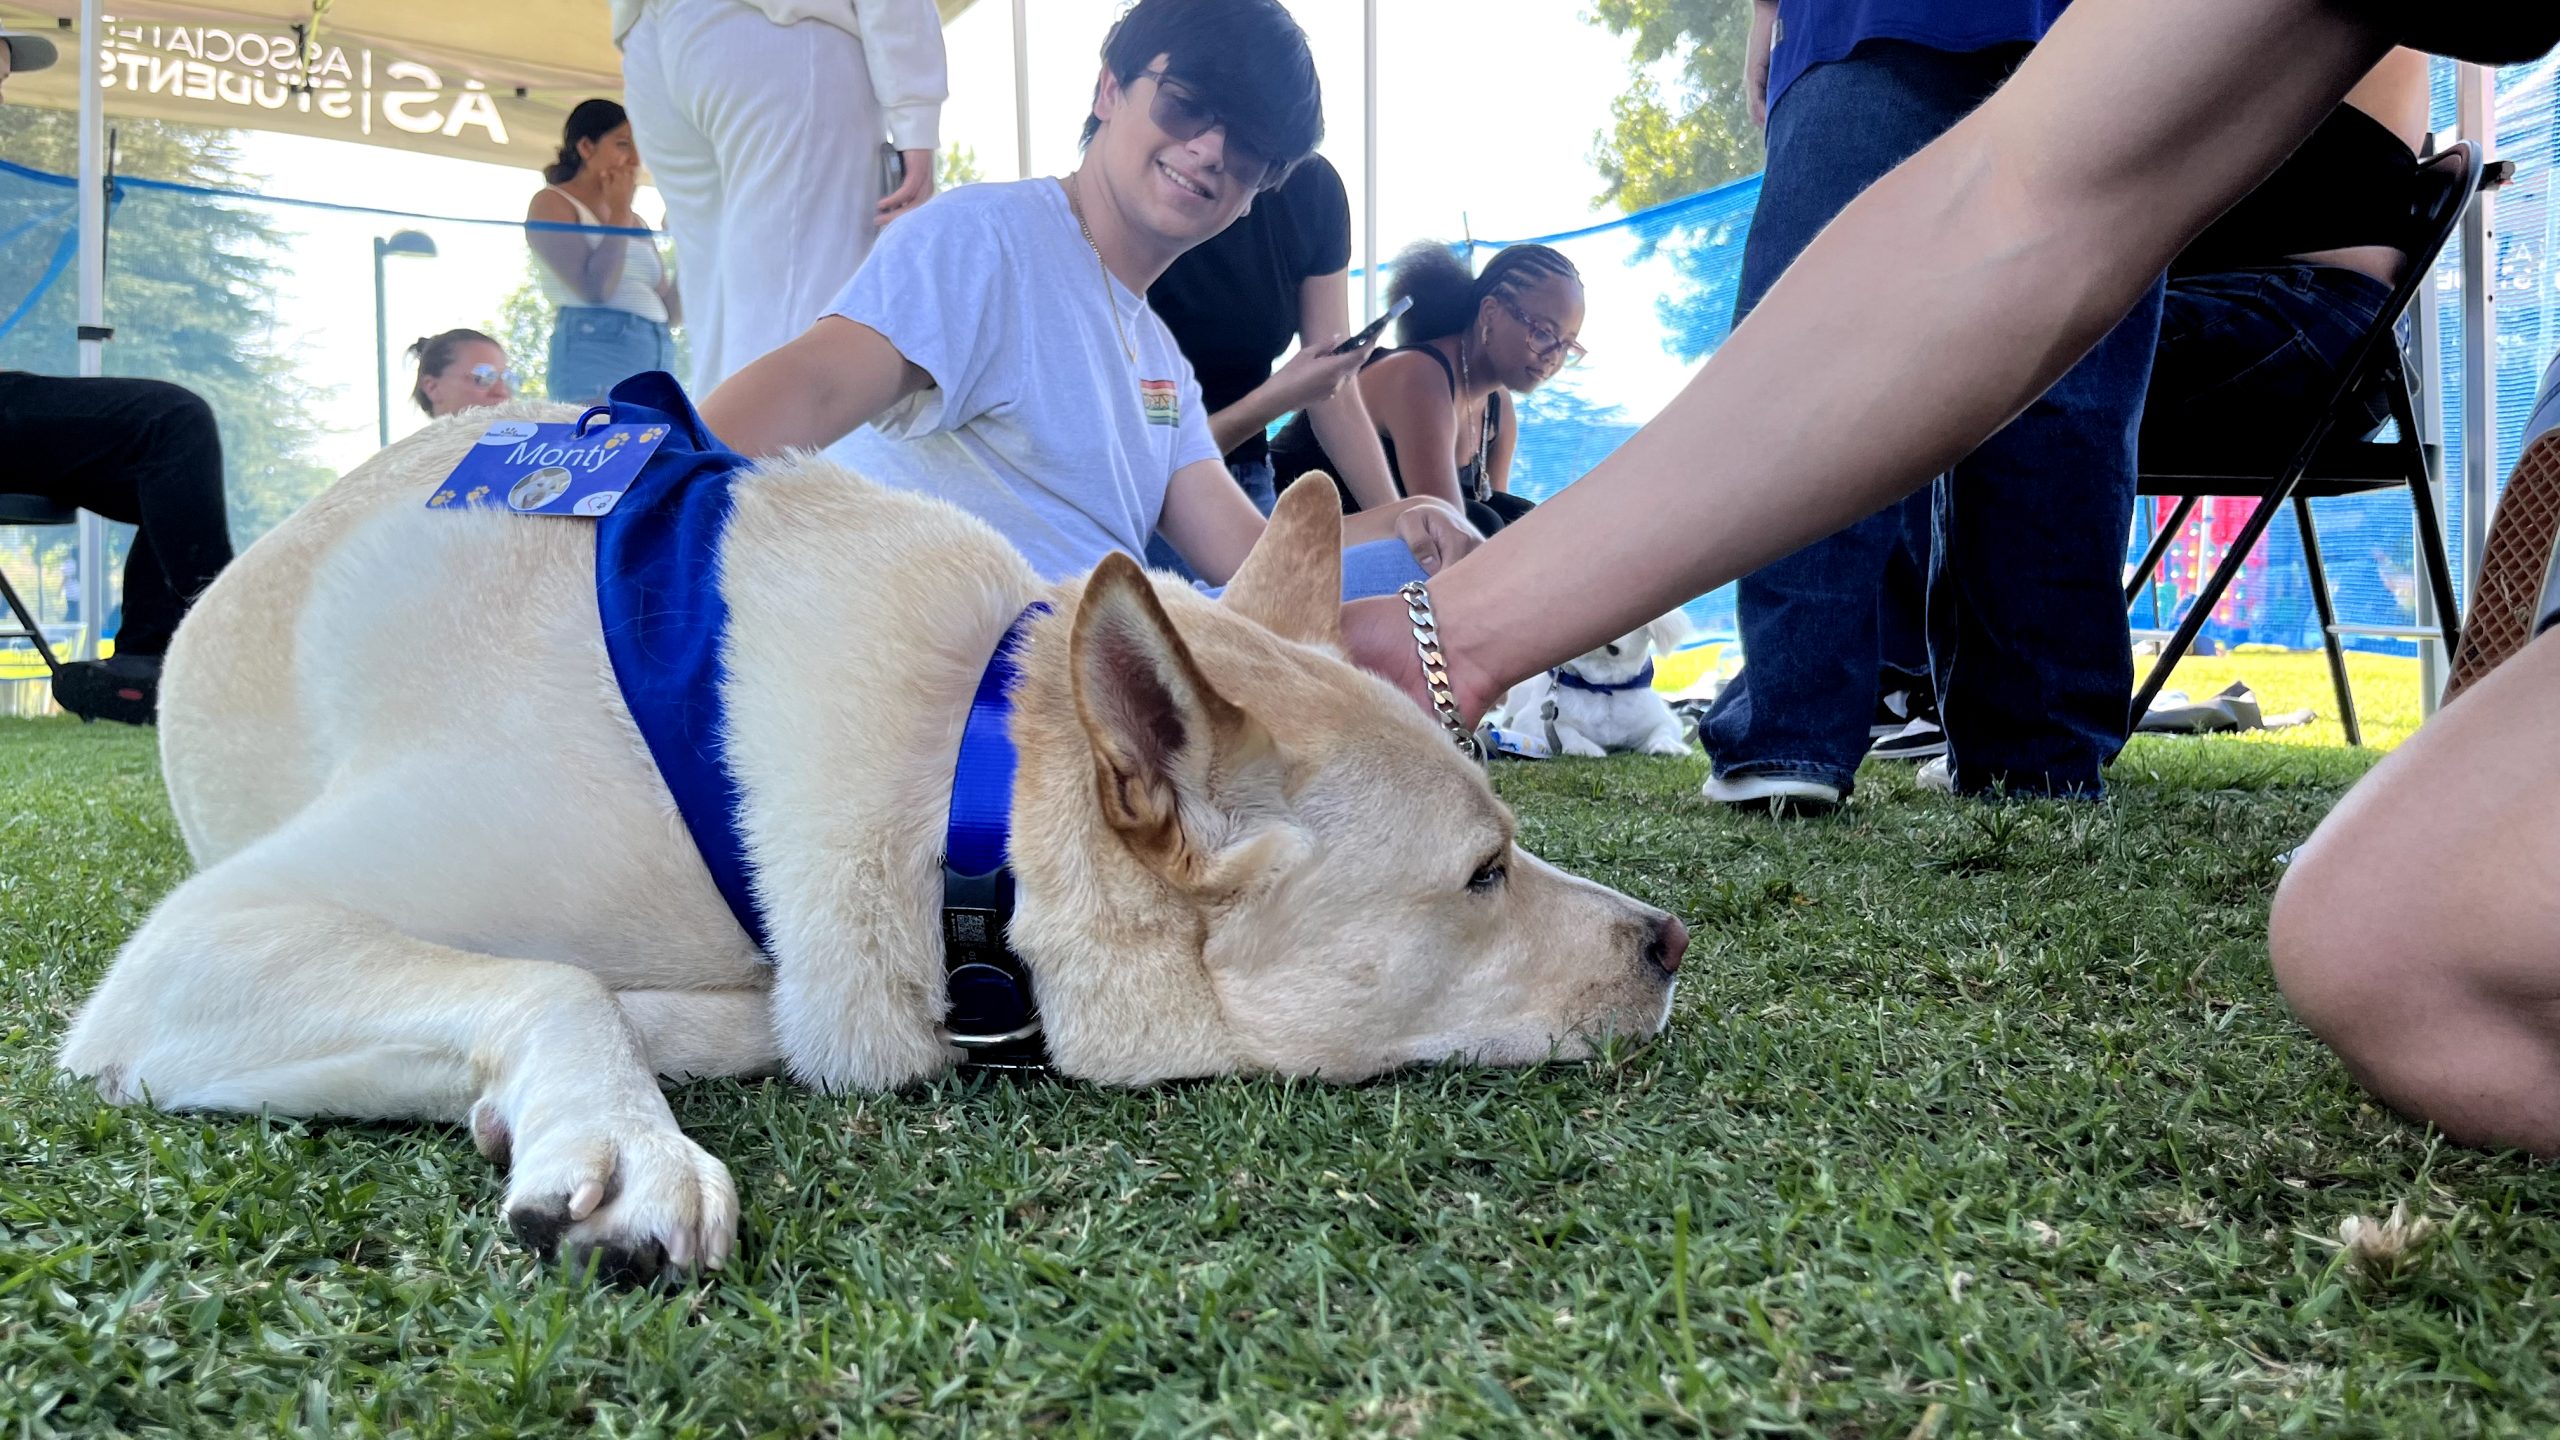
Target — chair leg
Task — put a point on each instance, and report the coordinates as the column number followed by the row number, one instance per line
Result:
column 2223, row 574
column 2431, row 555
column 2320, row 600
column 27, row 621
column 2158, row 547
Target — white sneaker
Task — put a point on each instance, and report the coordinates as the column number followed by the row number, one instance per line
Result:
column 1771, row 792
column 1935, row 776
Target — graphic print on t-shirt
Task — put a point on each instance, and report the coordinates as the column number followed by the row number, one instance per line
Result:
column 1162, row 401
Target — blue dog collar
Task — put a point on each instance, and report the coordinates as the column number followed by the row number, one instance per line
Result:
column 1571, row 681
column 994, row 1015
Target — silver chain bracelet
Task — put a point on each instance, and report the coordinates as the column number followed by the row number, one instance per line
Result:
column 1435, row 668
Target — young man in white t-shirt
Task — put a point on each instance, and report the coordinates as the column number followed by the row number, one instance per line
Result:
column 996, row 349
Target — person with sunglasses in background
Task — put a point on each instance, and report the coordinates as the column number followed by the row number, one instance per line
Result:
column 1439, row 399
column 996, row 350
column 459, row 370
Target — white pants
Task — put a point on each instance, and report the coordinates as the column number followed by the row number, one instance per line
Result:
column 765, row 140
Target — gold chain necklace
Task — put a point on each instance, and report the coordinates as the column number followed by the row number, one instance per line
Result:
column 1466, row 381
column 1076, row 206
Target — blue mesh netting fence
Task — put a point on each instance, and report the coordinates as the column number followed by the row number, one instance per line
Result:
column 262, row 304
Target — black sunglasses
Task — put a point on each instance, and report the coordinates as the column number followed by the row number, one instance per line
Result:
column 1179, row 113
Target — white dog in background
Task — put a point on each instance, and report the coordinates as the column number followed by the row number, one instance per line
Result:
column 439, row 876
column 1603, row 701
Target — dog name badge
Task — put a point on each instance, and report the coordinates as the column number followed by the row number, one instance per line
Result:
column 533, row 469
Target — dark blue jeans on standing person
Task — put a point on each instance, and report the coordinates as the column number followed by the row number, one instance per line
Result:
column 2028, row 643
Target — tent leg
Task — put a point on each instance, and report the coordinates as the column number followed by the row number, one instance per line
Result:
column 93, row 308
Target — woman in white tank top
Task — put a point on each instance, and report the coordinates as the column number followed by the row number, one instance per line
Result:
column 615, row 297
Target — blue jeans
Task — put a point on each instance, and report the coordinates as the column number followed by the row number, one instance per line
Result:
column 2256, row 351
column 1255, row 478
column 2027, row 639
column 594, row 349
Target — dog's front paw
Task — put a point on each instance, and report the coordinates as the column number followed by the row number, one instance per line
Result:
column 1667, row 745
column 1574, row 743
column 633, row 1203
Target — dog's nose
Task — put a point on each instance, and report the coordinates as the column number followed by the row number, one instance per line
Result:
column 1668, row 943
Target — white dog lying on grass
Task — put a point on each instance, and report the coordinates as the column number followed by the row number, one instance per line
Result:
column 441, row 877
column 1603, row 702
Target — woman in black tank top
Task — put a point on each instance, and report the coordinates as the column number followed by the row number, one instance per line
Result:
column 1441, row 399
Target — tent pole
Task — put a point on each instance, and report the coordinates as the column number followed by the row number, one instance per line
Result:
column 2475, row 103
column 93, row 308
column 2428, row 343
column 1368, row 160
column 1022, row 87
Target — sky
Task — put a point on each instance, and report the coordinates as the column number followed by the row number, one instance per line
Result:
column 1487, row 114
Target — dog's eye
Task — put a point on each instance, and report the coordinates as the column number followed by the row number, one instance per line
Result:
column 1489, row 876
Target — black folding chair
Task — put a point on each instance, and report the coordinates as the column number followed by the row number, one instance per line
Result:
column 2323, row 462
column 29, row 510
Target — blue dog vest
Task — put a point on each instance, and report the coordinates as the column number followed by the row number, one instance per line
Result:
column 658, row 594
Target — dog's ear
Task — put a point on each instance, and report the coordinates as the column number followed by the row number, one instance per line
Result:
column 1670, row 632
column 1169, row 752
column 1291, row 584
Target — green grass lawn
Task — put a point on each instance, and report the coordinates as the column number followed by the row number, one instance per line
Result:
column 1972, row 1120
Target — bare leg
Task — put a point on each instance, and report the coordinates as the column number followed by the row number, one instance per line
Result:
column 2419, row 932
column 230, row 998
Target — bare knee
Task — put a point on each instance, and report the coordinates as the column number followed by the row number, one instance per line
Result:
column 2334, row 954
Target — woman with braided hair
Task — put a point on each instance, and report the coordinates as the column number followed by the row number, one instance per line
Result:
column 1439, row 398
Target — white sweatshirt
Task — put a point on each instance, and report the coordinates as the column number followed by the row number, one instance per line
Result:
column 901, row 47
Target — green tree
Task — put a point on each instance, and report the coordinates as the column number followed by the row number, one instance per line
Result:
column 1660, row 147
column 523, row 330
column 188, row 287
column 954, row 166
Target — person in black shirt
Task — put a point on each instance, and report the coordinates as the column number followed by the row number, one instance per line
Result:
column 1442, row 399
column 1237, row 300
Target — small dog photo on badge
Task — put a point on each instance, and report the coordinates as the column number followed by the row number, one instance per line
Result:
column 539, row 488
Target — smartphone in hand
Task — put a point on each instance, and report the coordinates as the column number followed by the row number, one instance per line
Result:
column 1369, row 333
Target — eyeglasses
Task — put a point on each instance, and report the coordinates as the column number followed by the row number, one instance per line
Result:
column 1178, row 113
column 485, row 375
column 1544, row 338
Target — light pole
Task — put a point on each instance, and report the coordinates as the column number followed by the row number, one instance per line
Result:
column 405, row 242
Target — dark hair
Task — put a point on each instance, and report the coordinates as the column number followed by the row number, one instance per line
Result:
column 434, row 352
column 592, row 120
column 1247, row 59
column 1446, row 298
